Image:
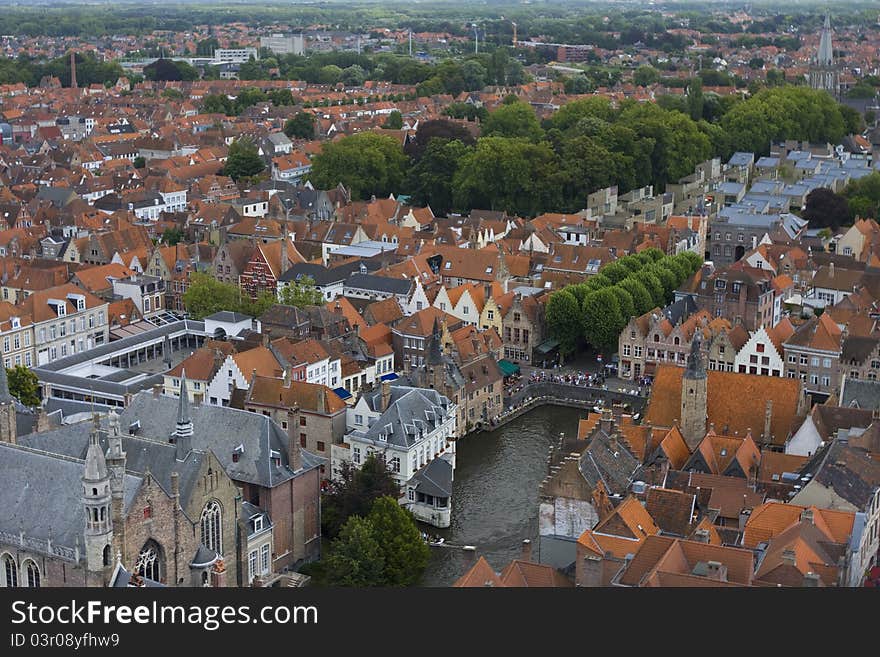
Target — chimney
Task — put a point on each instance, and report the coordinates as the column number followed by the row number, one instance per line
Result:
column 264, row 338
column 701, row 536
column 789, row 558
column 294, row 450
column 744, row 516
column 607, row 420
column 811, row 580
column 157, row 390
column 717, row 571
column 526, row 550
column 768, row 419
column 386, row 395
column 487, row 290
column 830, row 270
column 807, row 514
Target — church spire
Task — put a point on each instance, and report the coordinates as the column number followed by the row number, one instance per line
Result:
column 184, row 430
column 825, row 56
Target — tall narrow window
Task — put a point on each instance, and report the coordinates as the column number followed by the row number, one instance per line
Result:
column 150, row 561
column 11, row 571
column 211, row 527
column 33, row 574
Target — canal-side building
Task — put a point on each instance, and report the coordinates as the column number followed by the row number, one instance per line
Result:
column 579, row 489
column 407, row 428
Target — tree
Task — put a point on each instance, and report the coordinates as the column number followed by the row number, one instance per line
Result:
column 206, row 296
column 430, row 179
column 353, row 493
column 654, row 287
column 366, row 163
column 167, row 70
column 243, row 160
column 667, row 279
column 24, row 385
column 641, row 297
column 602, row 319
column 355, row 558
column 615, row 272
column 172, row 236
column 625, row 301
column 436, row 128
column 474, row 75
column 394, row 121
column 301, row 293
column 139, row 162
column 564, row 320
column 645, row 76
column 508, row 174
column 405, row 554
column 824, row 209
column 301, row 126
column 514, row 120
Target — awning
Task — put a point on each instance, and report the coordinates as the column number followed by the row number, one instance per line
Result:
column 342, row 393
column 389, row 377
column 507, row 368
column 547, row 346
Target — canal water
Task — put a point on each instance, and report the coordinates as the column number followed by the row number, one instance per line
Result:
column 495, row 492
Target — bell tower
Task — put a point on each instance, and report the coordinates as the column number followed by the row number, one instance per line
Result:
column 694, row 395
column 96, row 499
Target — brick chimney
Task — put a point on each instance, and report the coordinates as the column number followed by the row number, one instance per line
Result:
column 386, row 395
column 811, row 580
column 526, row 550
column 469, row 553
column 807, row 514
column 294, row 450
column 768, row 419
column 789, row 558
column 157, row 390
column 717, row 571
column 607, row 420
column 701, row 536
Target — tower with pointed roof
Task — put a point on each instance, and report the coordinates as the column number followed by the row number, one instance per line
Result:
column 96, row 499
column 824, row 73
column 694, row 395
column 183, row 431
column 8, row 431
column 116, row 466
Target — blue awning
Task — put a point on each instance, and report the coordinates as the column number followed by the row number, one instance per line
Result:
column 342, row 393
column 389, row 377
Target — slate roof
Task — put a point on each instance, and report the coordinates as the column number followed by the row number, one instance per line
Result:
column 222, row 429
column 434, row 479
column 409, row 411
column 41, row 495
column 384, row 284
column 848, row 471
column 614, row 466
column 860, row 394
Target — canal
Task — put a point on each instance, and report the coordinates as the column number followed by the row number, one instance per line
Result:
column 495, row 492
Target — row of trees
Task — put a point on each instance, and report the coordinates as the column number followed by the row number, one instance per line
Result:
column 89, row 70
column 526, row 167
column 598, row 309
column 206, row 296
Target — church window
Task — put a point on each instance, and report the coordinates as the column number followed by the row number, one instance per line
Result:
column 149, row 561
column 11, row 571
column 32, row 573
column 211, row 526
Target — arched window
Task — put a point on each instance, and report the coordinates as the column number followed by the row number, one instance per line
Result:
column 10, row 569
column 149, row 563
column 106, row 555
column 676, row 341
column 32, row 574
column 212, row 524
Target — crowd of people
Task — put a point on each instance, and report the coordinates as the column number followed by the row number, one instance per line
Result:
column 515, row 383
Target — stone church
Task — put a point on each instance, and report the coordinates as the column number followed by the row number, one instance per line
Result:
column 82, row 500
column 824, row 73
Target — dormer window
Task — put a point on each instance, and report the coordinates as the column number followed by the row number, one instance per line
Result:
column 258, row 524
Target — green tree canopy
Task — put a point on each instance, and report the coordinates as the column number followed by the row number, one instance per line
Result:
column 355, row 559
column 366, row 162
column 206, row 296
column 564, row 320
column 513, row 120
column 301, row 293
column 301, row 126
column 641, row 297
column 602, row 318
column 243, row 160
column 24, row 385
column 394, row 121
column 353, row 493
column 405, row 554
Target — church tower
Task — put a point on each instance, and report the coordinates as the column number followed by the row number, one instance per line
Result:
column 116, row 466
column 823, row 72
column 694, row 395
column 96, row 502
column 183, row 431
column 8, row 432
